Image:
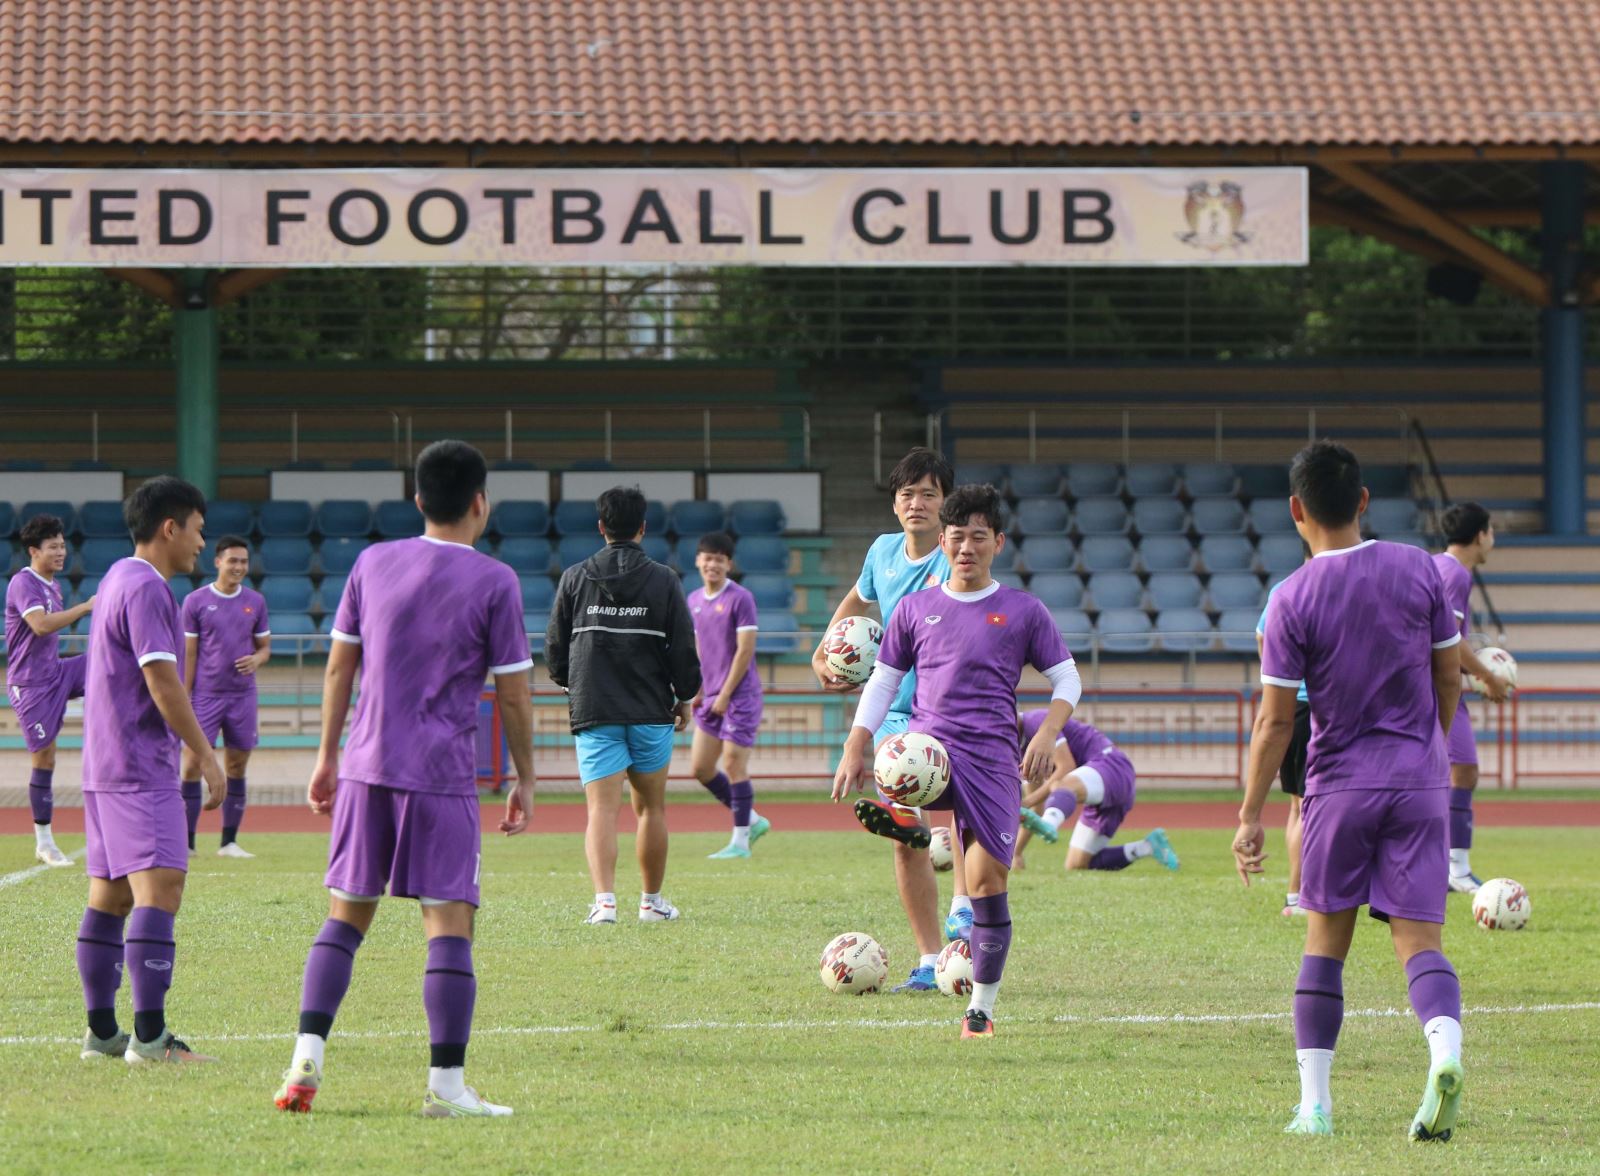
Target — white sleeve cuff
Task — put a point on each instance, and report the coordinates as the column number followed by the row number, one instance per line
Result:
column 157, row 656
column 748, row 629
column 1460, row 616
column 513, row 668
column 347, row 638
column 1446, row 644
column 264, row 633
column 196, row 636
column 878, row 696
column 1065, row 682
column 1286, row 683
column 34, row 609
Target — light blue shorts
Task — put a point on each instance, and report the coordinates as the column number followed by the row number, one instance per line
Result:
column 896, row 723
column 615, row 747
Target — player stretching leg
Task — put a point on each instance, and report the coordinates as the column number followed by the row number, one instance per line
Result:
column 38, row 681
column 1292, row 776
column 425, row 621
column 135, row 712
column 227, row 638
column 969, row 640
column 1369, row 629
column 1088, row 769
column 725, row 725
column 905, row 561
column 1469, row 536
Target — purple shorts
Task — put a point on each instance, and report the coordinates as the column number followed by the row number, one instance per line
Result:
column 417, row 844
column 41, row 707
column 738, row 725
column 232, row 714
column 986, row 801
column 1460, row 745
column 1116, row 770
column 1388, row 848
column 128, row 832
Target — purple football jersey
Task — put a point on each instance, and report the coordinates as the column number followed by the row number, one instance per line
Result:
column 718, row 621
column 225, row 628
column 31, row 659
column 969, row 651
column 1083, row 741
column 127, row 745
column 1360, row 625
column 434, row 620
column 1457, row 588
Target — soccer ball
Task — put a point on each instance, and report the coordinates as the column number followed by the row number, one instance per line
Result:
column 912, row 769
column 854, row 964
column 851, row 648
column 1500, row 663
column 1501, row 905
column 953, row 972
column 939, row 848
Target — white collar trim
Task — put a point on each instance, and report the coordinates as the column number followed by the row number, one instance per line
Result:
column 444, row 542
column 916, row 563
column 1343, row 550
column 38, row 577
column 226, row 595
column 980, row 594
column 710, row 596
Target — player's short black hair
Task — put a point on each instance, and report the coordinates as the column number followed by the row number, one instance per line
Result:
column 228, row 543
column 158, row 500
column 450, row 474
column 40, row 529
column 621, row 511
column 1464, row 522
column 1326, row 478
column 921, row 463
column 716, row 543
column 970, row 502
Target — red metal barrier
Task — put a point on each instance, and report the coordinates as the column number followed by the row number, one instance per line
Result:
column 1552, row 734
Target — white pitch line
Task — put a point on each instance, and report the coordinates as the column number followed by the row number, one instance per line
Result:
column 861, row 1023
column 33, row 871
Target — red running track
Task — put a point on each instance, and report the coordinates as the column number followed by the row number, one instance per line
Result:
column 814, row 817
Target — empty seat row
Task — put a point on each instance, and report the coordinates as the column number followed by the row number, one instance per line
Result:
column 1182, row 630
column 1204, row 516
column 1152, row 479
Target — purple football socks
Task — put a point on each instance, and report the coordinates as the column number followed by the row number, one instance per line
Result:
column 328, row 966
column 449, row 991
column 40, row 799
column 147, row 957
column 1460, row 818
column 100, row 951
column 719, row 787
column 1318, row 1002
column 991, row 937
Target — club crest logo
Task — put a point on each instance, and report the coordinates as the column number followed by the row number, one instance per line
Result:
column 1214, row 213
column 933, row 620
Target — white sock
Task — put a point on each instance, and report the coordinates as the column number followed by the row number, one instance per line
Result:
column 42, row 836
column 447, row 1081
column 650, row 899
column 309, row 1045
column 983, row 997
column 929, row 960
column 1316, row 1068
column 1054, row 817
column 1141, row 849
column 1459, row 864
column 960, row 902
column 607, row 899
column 1293, row 897
column 1444, row 1038
column 741, row 836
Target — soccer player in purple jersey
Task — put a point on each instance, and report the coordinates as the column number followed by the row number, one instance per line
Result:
column 227, row 638
column 1090, row 770
column 968, row 640
column 135, row 713
column 39, row 682
column 425, row 621
column 1368, row 628
column 1469, row 536
column 727, row 711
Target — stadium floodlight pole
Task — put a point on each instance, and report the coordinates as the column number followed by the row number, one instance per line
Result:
column 195, row 354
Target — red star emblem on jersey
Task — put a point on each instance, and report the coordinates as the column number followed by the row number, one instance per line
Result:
column 248, row 610
column 717, row 609
column 997, row 618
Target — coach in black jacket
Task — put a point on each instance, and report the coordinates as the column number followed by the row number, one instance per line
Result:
column 621, row 642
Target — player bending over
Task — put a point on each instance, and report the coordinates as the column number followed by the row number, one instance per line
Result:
column 1292, row 775
column 1087, row 769
column 968, row 640
column 424, row 621
column 227, row 638
column 727, row 711
column 1369, row 629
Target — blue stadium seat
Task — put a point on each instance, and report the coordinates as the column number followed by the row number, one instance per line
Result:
column 344, row 518
column 19, row 560
column 771, row 590
column 657, row 547
column 96, row 556
column 330, row 591
column 655, row 517
column 1185, row 630
column 1151, row 479
column 286, row 594
column 1210, row 479
column 1125, row 630
column 538, row 593
column 1237, row 627
column 1410, row 539
column 8, row 520
column 62, row 511
column 574, row 549
column 683, row 553
column 519, row 517
column 1264, row 481
column 527, row 554
column 23, row 465
column 1058, row 589
column 691, row 581
column 1217, row 516
column 1036, row 480
column 181, row 587
column 1160, row 516
column 1047, row 553
column 536, row 622
column 484, row 545
column 576, row 516
column 978, row 473
column 1166, row 553
column 1100, row 516
column 1090, row 479
column 89, row 585
column 1270, row 516
column 1280, row 553
column 398, row 518
column 1385, row 516
column 763, row 553
column 1236, row 590
column 1174, row 590
column 695, row 517
column 756, row 516
column 1042, row 516
column 1005, row 558
column 1226, row 553
column 103, row 520
column 1106, row 553
column 1387, row 481
column 290, row 633
column 284, row 517
column 285, row 555
column 338, row 556
column 1115, row 590
column 1009, row 579
column 229, row 516
column 779, row 633
column 1075, row 627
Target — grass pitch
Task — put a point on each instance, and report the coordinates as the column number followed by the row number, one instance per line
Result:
column 710, row 1044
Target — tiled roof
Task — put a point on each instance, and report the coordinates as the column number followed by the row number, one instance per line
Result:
column 1011, row 72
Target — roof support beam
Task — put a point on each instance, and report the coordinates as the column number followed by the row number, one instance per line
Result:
column 235, row 284
column 159, row 283
column 1326, row 212
column 1525, row 281
column 1507, row 216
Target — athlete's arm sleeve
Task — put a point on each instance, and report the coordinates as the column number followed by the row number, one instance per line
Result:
column 508, row 639
column 558, row 634
column 151, row 617
column 683, row 655
column 1065, row 682
column 1283, row 658
column 1446, row 629
column 347, row 620
column 877, row 696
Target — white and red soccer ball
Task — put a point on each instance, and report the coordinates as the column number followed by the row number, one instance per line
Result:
column 854, row 964
column 1501, row 904
column 1501, row 664
column 953, row 971
column 912, row 769
column 941, row 851
column 851, row 648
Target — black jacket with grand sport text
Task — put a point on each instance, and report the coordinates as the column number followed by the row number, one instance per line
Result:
column 621, row 640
